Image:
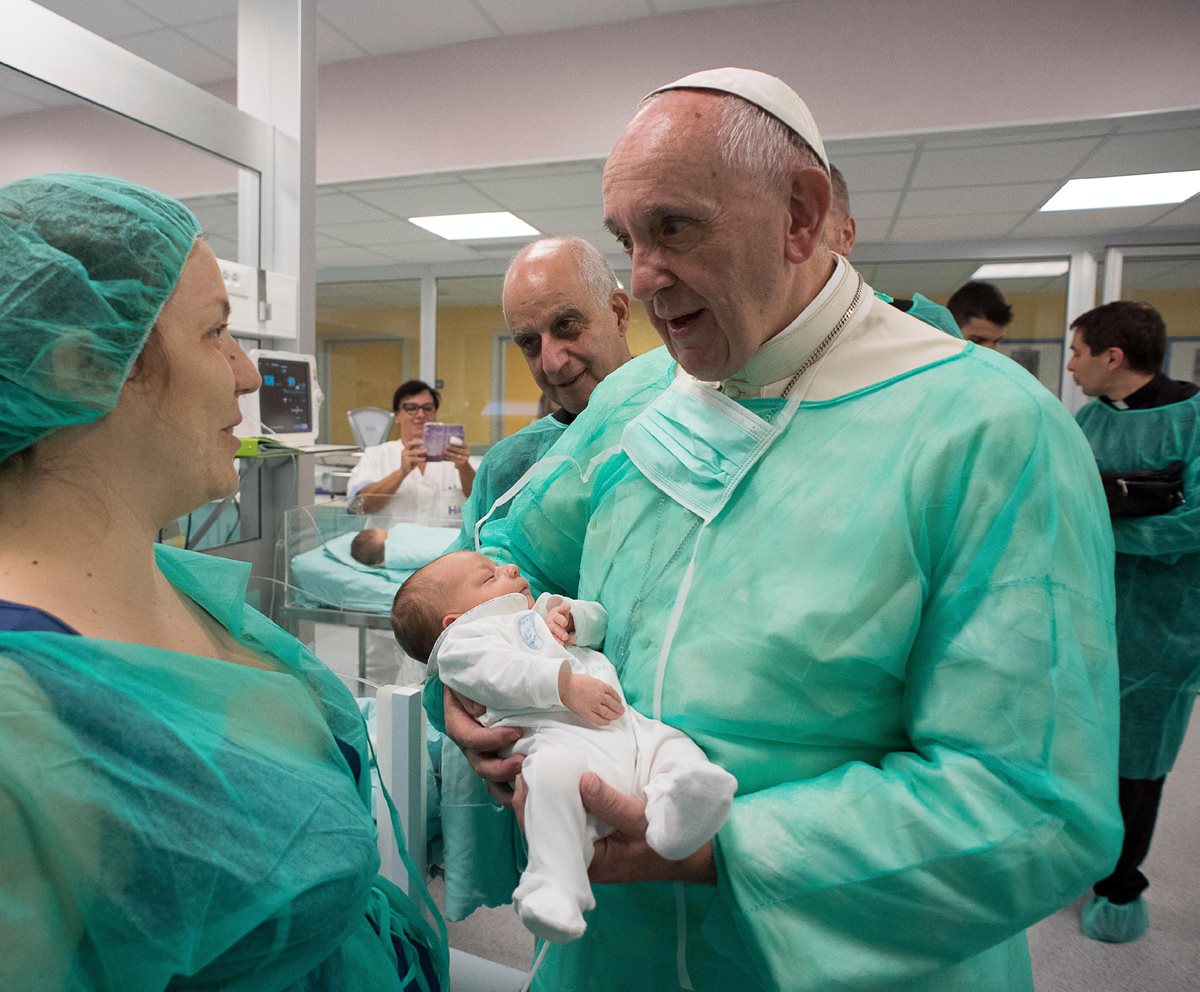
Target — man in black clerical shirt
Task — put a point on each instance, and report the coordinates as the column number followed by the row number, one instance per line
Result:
column 1145, row 432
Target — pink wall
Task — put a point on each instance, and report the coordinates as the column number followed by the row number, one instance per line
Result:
column 866, row 67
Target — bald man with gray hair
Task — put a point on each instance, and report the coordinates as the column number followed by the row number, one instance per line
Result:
column 567, row 312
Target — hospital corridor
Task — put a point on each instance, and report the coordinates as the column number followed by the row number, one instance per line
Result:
column 636, row 496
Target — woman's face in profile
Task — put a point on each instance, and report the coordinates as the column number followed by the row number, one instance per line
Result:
column 187, row 402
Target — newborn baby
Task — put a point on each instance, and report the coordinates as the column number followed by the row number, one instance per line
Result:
column 368, row 545
column 532, row 665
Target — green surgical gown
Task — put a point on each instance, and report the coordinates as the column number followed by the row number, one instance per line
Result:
column 1158, row 581
column 172, row 821
column 503, row 465
column 928, row 312
column 899, row 639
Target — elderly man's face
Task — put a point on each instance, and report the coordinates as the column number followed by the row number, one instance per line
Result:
column 569, row 338
column 707, row 246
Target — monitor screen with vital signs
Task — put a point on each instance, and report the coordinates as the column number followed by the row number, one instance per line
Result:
column 285, row 397
column 284, row 407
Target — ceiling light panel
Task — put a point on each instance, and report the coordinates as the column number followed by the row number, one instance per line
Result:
column 1022, row 270
column 1106, row 192
column 476, row 227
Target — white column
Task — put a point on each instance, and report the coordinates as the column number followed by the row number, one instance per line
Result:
column 1114, row 270
column 277, row 82
column 1081, row 297
column 429, row 329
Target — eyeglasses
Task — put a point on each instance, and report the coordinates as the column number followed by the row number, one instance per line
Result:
column 414, row 407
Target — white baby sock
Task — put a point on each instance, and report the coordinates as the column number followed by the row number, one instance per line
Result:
column 549, row 911
column 685, row 808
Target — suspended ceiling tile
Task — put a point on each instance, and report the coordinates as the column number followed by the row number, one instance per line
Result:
column 30, row 94
column 218, row 36
column 1018, row 133
column 954, row 228
column 1185, row 215
column 381, row 232
column 341, row 208
column 572, row 190
column 383, row 26
column 394, row 182
column 870, row 229
column 21, row 95
column 443, row 251
column 111, row 19
column 1064, row 223
column 896, row 144
column 961, row 200
column 568, row 220
column 349, row 257
column 179, row 12
column 333, row 46
column 430, row 200
column 179, row 55
column 530, row 16
column 1137, row 154
column 872, row 173
column 873, row 206
column 1009, row 163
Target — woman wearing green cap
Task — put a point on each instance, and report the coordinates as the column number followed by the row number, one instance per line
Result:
column 184, row 797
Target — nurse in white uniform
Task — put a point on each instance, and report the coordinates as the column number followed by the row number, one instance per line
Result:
column 395, row 477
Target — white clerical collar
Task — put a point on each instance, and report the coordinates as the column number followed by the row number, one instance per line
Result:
column 783, row 354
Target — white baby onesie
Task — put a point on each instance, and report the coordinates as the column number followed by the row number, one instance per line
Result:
column 502, row 655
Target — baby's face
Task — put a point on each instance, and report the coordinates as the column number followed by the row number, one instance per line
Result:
column 475, row 579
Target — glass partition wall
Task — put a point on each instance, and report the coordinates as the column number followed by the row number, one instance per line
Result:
column 1168, row 278
column 1034, row 339
column 368, row 342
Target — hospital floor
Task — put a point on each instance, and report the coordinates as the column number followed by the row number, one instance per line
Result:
column 1166, row 959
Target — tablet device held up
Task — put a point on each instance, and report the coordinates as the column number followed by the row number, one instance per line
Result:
column 438, row 436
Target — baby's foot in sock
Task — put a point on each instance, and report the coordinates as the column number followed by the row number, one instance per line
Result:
column 686, row 810
column 550, row 913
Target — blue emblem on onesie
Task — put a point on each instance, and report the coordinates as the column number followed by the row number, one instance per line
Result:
column 528, row 630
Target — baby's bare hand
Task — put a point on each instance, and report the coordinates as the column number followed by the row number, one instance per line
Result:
column 561, row 623
column 593, row 700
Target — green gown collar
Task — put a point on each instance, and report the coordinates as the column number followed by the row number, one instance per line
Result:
column 217, row 584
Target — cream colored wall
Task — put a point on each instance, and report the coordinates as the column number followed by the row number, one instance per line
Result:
column 1042, row 316
column 464, row 364
column 1036, row 316
column 365, row 373
column 642, row 335
column 1180, row 308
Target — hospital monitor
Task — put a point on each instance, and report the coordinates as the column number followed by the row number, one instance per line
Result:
column 283, row 408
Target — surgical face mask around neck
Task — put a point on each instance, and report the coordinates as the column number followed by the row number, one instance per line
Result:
column 696, row 445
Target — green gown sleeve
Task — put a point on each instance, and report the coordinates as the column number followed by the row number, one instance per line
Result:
column 1128, row 440
column 1004, row 808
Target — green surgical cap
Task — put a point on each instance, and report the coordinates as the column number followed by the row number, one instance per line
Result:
column 86, row 264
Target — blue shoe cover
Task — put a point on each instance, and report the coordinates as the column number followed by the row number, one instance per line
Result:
column 1114, row 923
